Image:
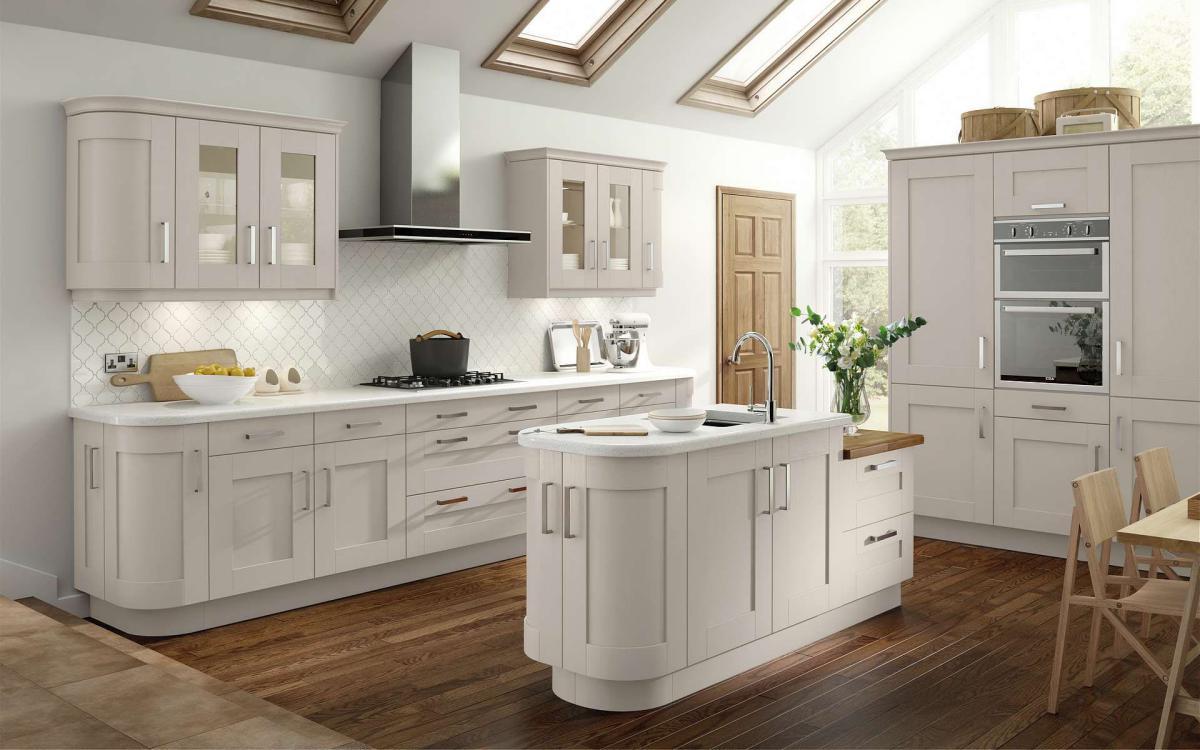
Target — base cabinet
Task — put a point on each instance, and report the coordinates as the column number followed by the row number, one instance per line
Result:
column 800, row 515
column 360, row 503
column 543, row 561
column 1139, row 424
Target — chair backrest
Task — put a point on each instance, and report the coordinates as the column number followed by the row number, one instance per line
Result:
column 1157, row 477
column 1098, row 501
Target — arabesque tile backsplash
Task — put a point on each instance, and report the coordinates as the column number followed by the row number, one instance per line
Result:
column 387, row 294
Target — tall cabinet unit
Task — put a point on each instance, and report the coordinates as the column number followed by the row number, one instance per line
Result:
column 595, row 224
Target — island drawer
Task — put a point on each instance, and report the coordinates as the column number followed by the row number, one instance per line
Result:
column 645, row 395
column 879, row 555
column 1059, row 407
column 264, row 433
column 877, row 487
column 351, row 424
column 580, row 400
column 467, row 412
column 463, row 516
column 586, row 416
column 443, row 459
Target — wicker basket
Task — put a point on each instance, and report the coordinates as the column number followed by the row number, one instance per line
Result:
column 997, row 124
column 1127, row 103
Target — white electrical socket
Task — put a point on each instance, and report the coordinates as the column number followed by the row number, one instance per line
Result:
column 122, row 362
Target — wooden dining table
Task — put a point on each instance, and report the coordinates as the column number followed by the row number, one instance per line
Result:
column 1171, row 529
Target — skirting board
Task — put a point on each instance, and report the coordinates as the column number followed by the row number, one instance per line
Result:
column 17, row 581
column 999, row 537
column 211, row 614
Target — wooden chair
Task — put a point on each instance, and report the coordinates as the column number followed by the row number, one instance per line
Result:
column 1154, row 488
column 1099, row 513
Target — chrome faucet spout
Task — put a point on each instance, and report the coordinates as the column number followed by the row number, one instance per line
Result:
column 736, row 356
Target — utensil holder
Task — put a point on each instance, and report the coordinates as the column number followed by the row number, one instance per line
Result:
column 583, row 359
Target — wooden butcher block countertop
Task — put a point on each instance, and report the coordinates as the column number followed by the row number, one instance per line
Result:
column 872, row 442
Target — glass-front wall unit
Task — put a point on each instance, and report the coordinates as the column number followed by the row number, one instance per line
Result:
column 574, row 223
column 217, row 205
column 298, row 209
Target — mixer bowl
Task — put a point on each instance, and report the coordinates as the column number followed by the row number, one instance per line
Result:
column 623, row 349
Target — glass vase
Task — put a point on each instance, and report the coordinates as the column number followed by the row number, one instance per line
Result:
column 850, row 397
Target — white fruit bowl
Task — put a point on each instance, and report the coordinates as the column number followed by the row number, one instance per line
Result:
column 684, row 419
column 215, row 389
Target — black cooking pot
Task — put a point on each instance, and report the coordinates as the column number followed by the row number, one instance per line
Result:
column 439, row 357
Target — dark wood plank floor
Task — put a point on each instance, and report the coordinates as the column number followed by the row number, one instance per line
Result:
column 963, row 663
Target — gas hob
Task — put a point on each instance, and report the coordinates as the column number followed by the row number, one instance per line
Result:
column 418, row 382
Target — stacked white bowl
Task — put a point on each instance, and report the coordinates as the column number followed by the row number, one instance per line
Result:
column 215, row 389
column 683, row 419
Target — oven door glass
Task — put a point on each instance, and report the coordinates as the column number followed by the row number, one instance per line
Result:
column 1070, row 270
column 1051, row 343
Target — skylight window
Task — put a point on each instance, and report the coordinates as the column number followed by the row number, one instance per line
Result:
column 574, row 41
column 783, row 47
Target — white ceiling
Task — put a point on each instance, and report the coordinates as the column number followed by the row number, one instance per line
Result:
column 643, row 85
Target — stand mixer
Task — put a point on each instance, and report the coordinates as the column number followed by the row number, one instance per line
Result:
column 626, row 343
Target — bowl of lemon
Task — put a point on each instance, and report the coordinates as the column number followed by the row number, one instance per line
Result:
column 216, row 384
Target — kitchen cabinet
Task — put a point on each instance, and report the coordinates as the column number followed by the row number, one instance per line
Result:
column 953, row 470
column 940, row 266
column 1155, row 270
column 1139, row 424
column 88, row 506
column 155, row 516
column 1035, row 463
column 800, row 562
column 359, row 503
column 544, row 559
column 1051, row 181
column 260, row 524
column 596, row 224
column 874, row 557
column 170, row 200
column 462, row 516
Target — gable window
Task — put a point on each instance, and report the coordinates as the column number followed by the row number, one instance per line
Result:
column 574, row 41
column 340, row 20
column 783, row 47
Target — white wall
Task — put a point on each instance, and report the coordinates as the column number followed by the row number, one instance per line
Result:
column 39, row 67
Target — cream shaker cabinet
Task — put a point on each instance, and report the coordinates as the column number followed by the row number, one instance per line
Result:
column 1138, row 424
column 169, row 200
column 596, row 224
column 1046, row 182
column 359, row 503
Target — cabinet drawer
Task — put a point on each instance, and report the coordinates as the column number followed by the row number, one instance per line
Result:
column 580, row 400
column 882, row 554
column 1051, row 181
column 882, row 487
column 588, row 416
column 351, row 424
column 264, row 433
column 443, row 459
column 464, row 516
column 467, row 412
column 638, row 395
column 1059, row 407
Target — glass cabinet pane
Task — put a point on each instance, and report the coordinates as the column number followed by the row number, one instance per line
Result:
column 217, row 206
column 298, row 214
column 574, row 219
column 618, row 243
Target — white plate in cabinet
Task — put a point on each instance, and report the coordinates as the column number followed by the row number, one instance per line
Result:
column 1052, row 181
column 359, row 503
column 580, row 400
column 260, row 520
column 1055, row 407
column 467, row 412
column 463, row 516
column 470, row 455
column 353, row 424
column 263, row 433
column 874, row 557
column 644, row 395
column 155, row 516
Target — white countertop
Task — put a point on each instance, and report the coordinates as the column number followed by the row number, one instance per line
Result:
column 659, row 443
column 156, row 414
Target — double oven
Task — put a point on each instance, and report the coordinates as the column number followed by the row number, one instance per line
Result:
column 1052, row 303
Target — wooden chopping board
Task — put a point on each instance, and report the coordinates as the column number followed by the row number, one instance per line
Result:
column 163, row 367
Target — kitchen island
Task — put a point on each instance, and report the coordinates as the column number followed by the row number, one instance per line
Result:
column 660, row 565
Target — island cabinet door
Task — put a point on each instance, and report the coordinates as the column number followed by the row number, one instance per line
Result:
column 799, row 525
column 155, row 516
column 624, row 594
column 544, row 557
column 359, row 503
column 729, row 548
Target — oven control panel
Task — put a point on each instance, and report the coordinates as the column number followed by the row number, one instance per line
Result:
column 1024, row 230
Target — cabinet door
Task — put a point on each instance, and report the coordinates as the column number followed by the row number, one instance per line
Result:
column 799, row 526
column 216, row 205
column 89, row 507
column 620, row 222
column 260, row 528
column 1052, row 181
column 298, row 209
column 1140, row 424
column 155, row 516
column 952, row 477
column 1155, row 270
column 120, row 201
column 359, row 503
column 624, row 566
column 573, row 221
column 652, row 235
column 729, row 548
column 940, row 263
column 544, row 560
column 1035, row 463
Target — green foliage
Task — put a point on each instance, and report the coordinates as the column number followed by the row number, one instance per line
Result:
column 860, row 227
column 848, row 346
column 1158, row 61
column 858, row 163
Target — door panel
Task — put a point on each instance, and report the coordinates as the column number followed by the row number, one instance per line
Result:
column 544, row 561
column 620, row 222
column 359, row 503
column 799, row 527
column 1051, row 181
column 298, row 206
column 573, row 193
column 1140, row 424
column 652, row 235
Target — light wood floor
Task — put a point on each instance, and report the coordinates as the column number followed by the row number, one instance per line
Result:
column 963, row 663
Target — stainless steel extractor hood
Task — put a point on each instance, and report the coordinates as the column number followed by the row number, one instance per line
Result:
column 418, row 155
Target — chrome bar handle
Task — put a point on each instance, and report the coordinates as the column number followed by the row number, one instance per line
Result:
column 263, row 435
column 91, row 469
column 1044, row 407
column 883, row 465
column 605, row 244
column 770, row 489
column 567, row 512
column 253, row 229
column 592, row 245
column 546, row 507
column 328, row 487
column 273, row 233
column 1048, row 310
column 1120, row 438
column 307, row 489
column 447, row 441
column 787, row 487
column 650, row 247
column 1045, row 206
column 983, row 352
column 166, row 242
column 885, row 535
column 1120, row 359
column 199, row 470
column 982, row 436
column 356, row 425
column 1097, row 457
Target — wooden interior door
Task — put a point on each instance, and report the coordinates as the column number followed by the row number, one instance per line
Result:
column 756, row 282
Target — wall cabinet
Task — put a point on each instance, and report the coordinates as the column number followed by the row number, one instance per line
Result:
column 179, row 198
column 1046, row 182
column 596, row 224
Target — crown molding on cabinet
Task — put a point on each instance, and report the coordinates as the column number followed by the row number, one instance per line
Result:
column 1131, row 135
column 145, row 105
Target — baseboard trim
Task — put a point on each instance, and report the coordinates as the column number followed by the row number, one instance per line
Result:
column 999, row 537
column 18, row 581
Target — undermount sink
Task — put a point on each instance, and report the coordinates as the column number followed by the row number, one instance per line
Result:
column 716, row 418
